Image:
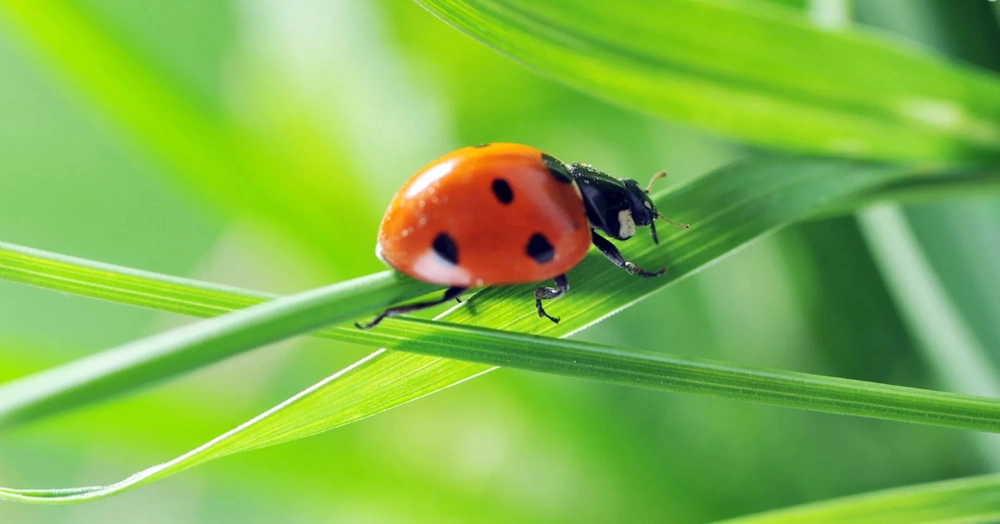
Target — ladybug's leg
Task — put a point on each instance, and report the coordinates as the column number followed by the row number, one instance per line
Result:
column 545, row 293
column 615, row 257
column 450, row 293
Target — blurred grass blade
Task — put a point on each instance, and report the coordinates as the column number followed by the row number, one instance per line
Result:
column 146, row 361
column 198, row 143
column 728, row 207
column 977, row 183
column 709, row 63
column 957, row 357
column 968, row 501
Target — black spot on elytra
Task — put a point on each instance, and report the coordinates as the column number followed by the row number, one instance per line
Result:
column 557, row 169
column 482, row 145
column 501, row 190
column 539, row 248
column 445, row 247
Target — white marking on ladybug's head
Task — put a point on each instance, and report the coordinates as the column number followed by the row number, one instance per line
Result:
column 626, row 226
column 378, row 253
column 430, row 267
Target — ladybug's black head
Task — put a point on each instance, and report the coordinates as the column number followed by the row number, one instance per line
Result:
column 643, row 209
column 616, row 206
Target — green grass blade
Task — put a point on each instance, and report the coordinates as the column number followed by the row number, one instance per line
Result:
column 146, row 361
column 310, row 411
column 120, row 284
column 689, row 375
column 963, row 501
column 543, row 354
column 744, row 69
column 975, row 183
column 959, row 360
column 202, row 299
column 729, row 208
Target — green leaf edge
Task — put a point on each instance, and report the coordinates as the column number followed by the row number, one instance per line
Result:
column 958, row 501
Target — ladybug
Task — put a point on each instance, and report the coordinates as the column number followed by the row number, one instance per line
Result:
column 499, row 214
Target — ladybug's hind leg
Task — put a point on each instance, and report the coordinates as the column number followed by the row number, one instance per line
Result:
column 450, row 293
column 545, row 293
column 615, row 256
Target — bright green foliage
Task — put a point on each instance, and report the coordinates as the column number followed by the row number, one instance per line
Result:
column 145, row 361
column 498, row 348
column 293, row 118
column 202, row 144
column 971, row 499
column 744, row 69
column 743, row 195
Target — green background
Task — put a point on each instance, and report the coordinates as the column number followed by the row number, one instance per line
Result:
column 353, row 97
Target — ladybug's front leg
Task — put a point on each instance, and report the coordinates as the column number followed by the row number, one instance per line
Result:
column 450, row 293
column 545, row 293
column 615, row 256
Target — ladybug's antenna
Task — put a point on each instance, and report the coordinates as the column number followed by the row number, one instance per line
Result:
column 678, row 224
column 649, row 186
column 656, row 177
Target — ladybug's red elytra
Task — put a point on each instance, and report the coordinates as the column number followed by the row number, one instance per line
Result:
column 499, row 214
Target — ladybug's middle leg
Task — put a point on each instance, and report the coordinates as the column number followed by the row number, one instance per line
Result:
column 615, row 256
column 545, row 293
column 450, row 293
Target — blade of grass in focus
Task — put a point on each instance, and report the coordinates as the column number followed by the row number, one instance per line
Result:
column 144, row 362
column 732, row 206
column 298, row 417
column 729, row 208
column 543, row 354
